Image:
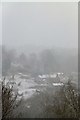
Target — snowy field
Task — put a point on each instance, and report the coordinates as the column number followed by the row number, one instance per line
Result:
column 32, row 90
column 27, row 87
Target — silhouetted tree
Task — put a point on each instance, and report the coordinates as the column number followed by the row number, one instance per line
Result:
column 65, row 102
column 9, row 101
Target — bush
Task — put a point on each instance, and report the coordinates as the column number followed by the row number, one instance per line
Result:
column 9, row 102
column 65, row 103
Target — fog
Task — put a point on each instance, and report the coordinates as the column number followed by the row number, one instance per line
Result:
column 39, row 60
column 40, row 24
column 33, row 27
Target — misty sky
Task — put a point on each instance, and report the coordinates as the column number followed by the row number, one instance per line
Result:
column 47, row 24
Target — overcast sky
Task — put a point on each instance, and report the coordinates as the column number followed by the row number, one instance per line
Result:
column 53, row 24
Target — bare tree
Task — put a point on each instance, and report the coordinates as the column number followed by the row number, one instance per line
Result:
column 9, row 102
column 65, row 102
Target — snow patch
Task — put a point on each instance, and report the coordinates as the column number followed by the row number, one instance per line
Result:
column 58, row 84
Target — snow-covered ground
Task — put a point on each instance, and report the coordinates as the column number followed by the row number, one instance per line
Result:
column 33, row 91
column 58, row 84
column 26, row 88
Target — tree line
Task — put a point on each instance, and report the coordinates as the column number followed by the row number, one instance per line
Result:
column 44, row 62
